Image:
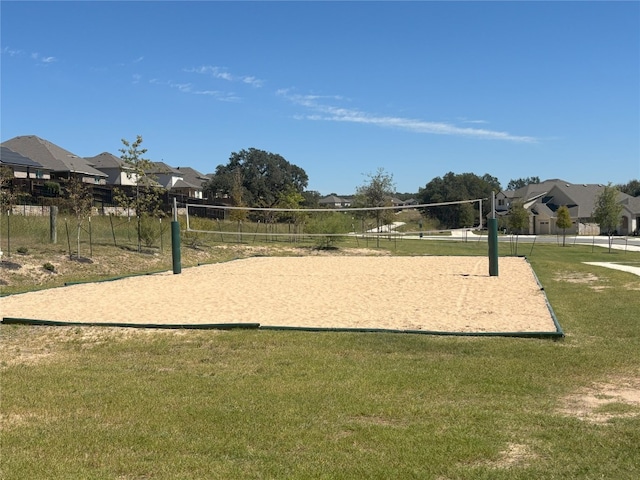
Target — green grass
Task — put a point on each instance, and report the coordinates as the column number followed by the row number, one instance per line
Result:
column 91, row 403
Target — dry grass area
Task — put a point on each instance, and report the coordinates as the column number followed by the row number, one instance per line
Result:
column 603, row 402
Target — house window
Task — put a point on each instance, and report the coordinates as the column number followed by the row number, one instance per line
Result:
column 501, row 201
column 39, row 174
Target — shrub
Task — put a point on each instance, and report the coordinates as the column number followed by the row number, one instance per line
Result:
column 23, row 250
column 49, row 267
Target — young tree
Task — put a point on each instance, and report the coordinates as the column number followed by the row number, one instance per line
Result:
column 607, row 211
column 563, row 221
column 237, row 193
column 377, row 192
column 7, row 196
column 81, row 199
column 7, row 200
column 146, row 195
column 518, row 220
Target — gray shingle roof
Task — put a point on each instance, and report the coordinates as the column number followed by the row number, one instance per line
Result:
column 51, row 156
column 9, row 157
column 193, row 176
column 105, row 160
column 183, row 184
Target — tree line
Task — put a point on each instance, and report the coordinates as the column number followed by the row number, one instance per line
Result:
column 257, row 178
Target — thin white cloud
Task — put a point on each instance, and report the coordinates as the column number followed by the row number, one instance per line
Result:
column 12, row 52
column 477, row 122
column 138, row 60
column 136, row 78
column 41, row 60
column 326, row 112
column 189, row 88
column 223, row 74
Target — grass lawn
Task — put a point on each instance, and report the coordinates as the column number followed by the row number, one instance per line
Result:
column 85, row 403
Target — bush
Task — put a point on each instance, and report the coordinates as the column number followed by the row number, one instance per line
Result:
column 331, row 224
column 22, row 250
column 49, row 267
column 149, row 230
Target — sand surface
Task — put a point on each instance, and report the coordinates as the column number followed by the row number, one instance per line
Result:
column 449, row 294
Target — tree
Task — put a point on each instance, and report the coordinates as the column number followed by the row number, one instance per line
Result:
column 238, row 215
column 518, row 220
column 377, row 191
column 7, row 200
column 265, row 176
column 81, row 199
column 454, row 187
column 522, row 182
column 311, row 199
column 145, row 198
column 7, row 196
column 607, row 211
column 631, row 188
column 563, row 221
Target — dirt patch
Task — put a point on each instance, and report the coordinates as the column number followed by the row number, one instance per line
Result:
column 584, row 278
column 576, row 277
column 602, row 402
column 515, row 455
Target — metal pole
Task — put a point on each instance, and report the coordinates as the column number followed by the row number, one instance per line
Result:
column 492, row 231
column 53, row 224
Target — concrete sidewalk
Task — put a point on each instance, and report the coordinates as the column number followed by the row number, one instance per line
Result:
column 616, row 266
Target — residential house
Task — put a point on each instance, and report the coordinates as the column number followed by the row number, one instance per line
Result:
column 173, row 180
column 193, row 177
column 21, row 166
column 118, row 173
column 543, row 199
column 60, row 162
column 333, row 201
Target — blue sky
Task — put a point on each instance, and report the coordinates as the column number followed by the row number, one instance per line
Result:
column 341, row 89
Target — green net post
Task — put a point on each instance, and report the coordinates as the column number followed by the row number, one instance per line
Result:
column 175, row 240
column 492, row 229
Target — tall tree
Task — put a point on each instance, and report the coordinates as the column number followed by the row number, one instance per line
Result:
column 631, row 188
column 265, row 176
column 145, row 198
column 563, row 221
column 454, row 187
column 607, row 211
column 311, row 199
column 377, row 191
column 517, row 183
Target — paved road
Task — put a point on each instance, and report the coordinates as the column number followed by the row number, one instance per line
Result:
column 631, row 244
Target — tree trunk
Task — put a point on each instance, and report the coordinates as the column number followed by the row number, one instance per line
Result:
column 78, row 241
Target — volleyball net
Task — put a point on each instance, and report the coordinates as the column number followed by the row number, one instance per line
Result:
column 297, row 224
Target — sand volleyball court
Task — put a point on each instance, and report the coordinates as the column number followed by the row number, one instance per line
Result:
column 429, row 293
